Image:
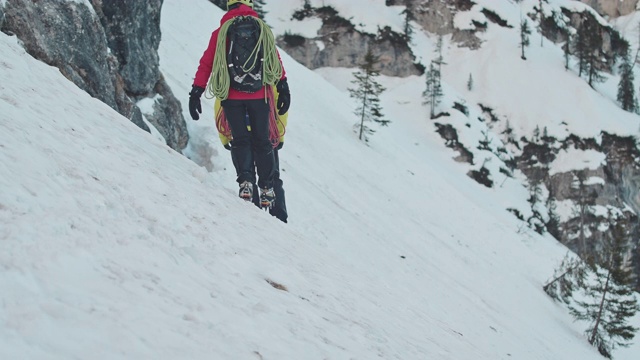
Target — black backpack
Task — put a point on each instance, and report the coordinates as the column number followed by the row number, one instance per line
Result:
column 245, row 54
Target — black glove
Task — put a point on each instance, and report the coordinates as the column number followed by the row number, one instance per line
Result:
column 284, row 97
column 195, row 108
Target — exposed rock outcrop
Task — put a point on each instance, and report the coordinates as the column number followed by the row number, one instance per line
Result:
column 1, row 15
column 437, row 17
column 557, row 27
column 139, row 64
column 612, row 8
column 109, row 49
column 614, row 185
column 340, row 44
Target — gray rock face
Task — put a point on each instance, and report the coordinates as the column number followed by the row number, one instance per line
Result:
column 339, row 44
column 66, row 35
column 166, row 109
column 613, row 45
column 612, row 8
column 109, row 50
column 138, row 54
column 619, row 188
column 436, row 17
column 1, row 16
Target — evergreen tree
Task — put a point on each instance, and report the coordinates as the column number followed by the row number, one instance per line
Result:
column 626, row 90
column 470, row 83
column 509, row 133
column 585, row 201
column 567, row 49
column 485, row 142
column 536, row 134
column 367, row 93
column 536, row 220
column 541, row 21
column 553, row 224
column 408, row 28
column 525, row 31
column 610, row 302
column 439, row 60
column 580, row 48
column 258, row 6
column 567, row 278
column 587, row 47
column 433, row 92
column 547, row 140
column 635, row 58
column 222, row 4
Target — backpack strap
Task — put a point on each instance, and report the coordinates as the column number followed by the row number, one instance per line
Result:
column 220, row 81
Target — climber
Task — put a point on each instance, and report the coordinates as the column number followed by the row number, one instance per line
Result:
column 241, row 67
column 279, row 209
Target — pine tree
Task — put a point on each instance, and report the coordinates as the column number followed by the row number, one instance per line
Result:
column 222, row 4
column 584, row 210
column 485, row 142
column 258, row 6
column 626, row 88
column 536, row 220
column 408, row 28
column 567, row 278
column 367, row 93
column 610, row 302
column 525, row 31
column 580, row 48
column 470, row 83
column 536, row 134
column 567, row 49
column 541, row 21
column 433, row 92
column 439, row 60
column 587, row 47
column 635, row 58
column 553, row 224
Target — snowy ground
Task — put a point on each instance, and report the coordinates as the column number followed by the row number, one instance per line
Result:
column 113, row 246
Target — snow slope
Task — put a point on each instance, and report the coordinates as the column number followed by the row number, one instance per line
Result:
column 112, row 246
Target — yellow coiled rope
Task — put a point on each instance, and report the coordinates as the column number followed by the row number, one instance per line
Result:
column 272, row 68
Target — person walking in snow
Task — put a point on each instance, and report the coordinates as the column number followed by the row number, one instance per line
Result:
column 241, row 67
column 279, row 208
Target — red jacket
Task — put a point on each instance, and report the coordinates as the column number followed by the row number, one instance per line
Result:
column 206, row 62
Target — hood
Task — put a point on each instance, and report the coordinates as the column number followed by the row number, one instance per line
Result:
column 242, row 10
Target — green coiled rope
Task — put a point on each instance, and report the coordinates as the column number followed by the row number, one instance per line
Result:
column 272, row 68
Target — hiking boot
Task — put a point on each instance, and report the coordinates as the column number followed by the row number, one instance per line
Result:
column 267, row 198
column 246, row 191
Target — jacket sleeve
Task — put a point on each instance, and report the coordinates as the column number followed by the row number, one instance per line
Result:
column 206, row 62
column 284, row 73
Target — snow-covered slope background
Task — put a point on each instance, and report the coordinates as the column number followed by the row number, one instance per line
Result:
column 113, row 246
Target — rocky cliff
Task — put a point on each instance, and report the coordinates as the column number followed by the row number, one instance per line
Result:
column 107, row 48
column 1, row 15
column 612, row 8
column 339, row 44
column 614, row 186
column 436, row 17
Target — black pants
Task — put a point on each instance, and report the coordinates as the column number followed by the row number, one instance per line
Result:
column 279, row 209
column 251, row 147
